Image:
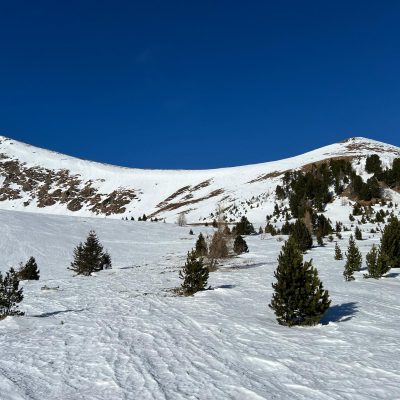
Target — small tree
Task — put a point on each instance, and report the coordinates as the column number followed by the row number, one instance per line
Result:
column 105, row 261
column 90, row 257
column 240, row 245
column 338, row 252
column 244, row 227
column 354, row 260
column 301, row 235
column 358, row 233
column 390, row 242
column 194, row 274
column 299, row 297
column 218, row 247
column 201, row 246
column 10, row 294
column 29, row 271
column 376, row 263
column 181, row 220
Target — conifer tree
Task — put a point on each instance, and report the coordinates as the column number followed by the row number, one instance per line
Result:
column 299, row 297
column 29, row 271
column 240, row 245
column 89, row 257
column 376, row 263
column 194, row 274
column 301, row 235
column 201, row 246
column 105, row 261
column 338, row 252
column 244, row 227
column 10, row 294
column 354, row 260
column 390, row 242
column 358, row 233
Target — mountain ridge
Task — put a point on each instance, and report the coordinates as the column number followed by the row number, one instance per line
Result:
column 40, row 180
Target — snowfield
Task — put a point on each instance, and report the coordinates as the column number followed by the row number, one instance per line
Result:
column 123, row 334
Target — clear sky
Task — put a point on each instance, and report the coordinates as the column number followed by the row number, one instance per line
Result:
column 198, row 84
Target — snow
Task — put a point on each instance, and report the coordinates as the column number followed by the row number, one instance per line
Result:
column 122, row 334
column 154, row 186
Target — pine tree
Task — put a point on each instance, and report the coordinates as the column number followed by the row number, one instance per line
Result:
column 29, row 271
column 89, row 257
column 338, row 252
column 240, row 245
column 301, row 235
column 10, row 294
column 105, row 261
column 358, row 233
column 299, row 297
column 194, row 274
column 354, row 260
column 244, row 227
column 390, row 242
column 201, row 246
column 376, row 263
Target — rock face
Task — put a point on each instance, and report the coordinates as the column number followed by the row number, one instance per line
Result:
column 37, row 180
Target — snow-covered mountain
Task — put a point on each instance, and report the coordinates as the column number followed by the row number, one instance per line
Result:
column 38, row 180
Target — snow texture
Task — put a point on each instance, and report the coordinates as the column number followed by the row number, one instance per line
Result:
column 122, row 334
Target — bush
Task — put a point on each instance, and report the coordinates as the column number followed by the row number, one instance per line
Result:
column 194, row 274
column 90, row 257
column 299, row 297
column 29, row 271
column 10, row 294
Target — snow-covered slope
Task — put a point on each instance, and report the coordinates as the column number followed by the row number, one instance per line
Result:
column 123, row 335
column 33, row 179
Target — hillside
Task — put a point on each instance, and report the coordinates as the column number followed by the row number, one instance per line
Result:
column 38, row 180
column 122, row 334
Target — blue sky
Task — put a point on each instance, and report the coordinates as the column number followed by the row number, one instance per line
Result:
column 185, row 84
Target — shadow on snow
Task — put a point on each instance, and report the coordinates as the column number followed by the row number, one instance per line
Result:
column 340, row 313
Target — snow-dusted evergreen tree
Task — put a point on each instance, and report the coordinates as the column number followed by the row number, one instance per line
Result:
column 194, row 274
column 376, row 263
column 390, row 242
column 29, row 271
column 10, row 294
column 89, row 256
column 240, row 245
column 338, row 252
column 201, row 246
column 353, row 260
column 299, row 297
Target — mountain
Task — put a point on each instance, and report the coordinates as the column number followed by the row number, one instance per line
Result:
column 37, row 180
